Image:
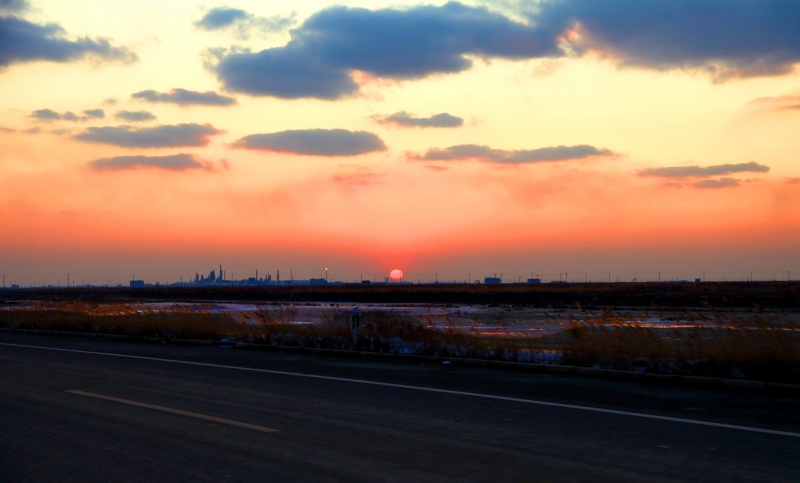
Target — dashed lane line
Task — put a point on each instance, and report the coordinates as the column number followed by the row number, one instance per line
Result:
column 428, row 389
column 177, row 411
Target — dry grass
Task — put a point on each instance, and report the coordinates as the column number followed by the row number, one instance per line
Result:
column 122, row 319
column 378, row 332
column 752, row 346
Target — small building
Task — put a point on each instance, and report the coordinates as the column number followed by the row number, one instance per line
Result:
column 137, row 283
column 492, row 280
column 534, row 280
column 317, row 281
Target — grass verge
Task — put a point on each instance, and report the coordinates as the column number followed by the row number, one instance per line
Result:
column 750, row 347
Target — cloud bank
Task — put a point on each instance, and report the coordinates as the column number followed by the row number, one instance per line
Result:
column 705, row 172
column 242, row 22
column 134, row 116
column 175, row 162
column 407, row 43
column 94, row 114
column 717, row 183
column 13, row 6
column 726, row 39
column 178, row 135
column 779, row 103
column 485, row 153
column 314, row 142
column 404, row 119
column 23, row 41
column 183, row 97
column 49, row 115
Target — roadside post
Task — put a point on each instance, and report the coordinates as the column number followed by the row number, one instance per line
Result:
column 355, row 320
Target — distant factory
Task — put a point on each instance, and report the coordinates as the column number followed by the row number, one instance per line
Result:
column 220, row 278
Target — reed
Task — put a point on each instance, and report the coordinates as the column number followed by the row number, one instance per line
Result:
column 747, row 345
column 750, row 346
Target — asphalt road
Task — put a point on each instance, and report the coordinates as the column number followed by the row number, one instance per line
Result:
column 139, row 419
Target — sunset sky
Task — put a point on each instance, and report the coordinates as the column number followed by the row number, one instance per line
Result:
column 591, row 137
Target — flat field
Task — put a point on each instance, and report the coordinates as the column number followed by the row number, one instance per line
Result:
column 732, row 330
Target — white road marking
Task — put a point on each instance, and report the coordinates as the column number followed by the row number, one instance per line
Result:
column 430, row 389
column 178, row 411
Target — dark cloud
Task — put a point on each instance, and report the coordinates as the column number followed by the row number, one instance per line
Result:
column 48, row 115
column 178, row 135
column 134, row 116
column 705, row 172
column 314, row 142
column 404, row 119
column 396, row 43
column 222, row 18
column 523, row 156
column 94, row 114
column 13, row 6
column 283, row 73
column 183, row 97
column 23, row 41
column 175, row 162
column 724, row 38
column 717, row 183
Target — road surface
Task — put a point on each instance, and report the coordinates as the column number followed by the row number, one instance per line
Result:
column 172, row 413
